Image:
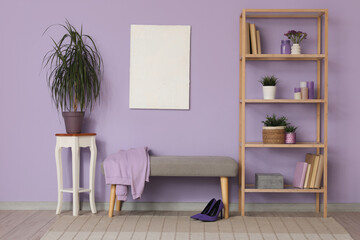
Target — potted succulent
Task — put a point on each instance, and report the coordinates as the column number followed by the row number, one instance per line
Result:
column 274, row 129
column 74, row 67
column 296, row 37
column 269, row 86
column 290, row 136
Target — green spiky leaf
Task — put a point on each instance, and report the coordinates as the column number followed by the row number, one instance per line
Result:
column 273, row 121
column 269, row 80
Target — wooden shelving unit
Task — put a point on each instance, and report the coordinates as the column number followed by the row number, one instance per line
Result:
column 321, row 60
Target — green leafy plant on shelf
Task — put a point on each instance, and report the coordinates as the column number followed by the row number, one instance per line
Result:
column 273, row 121
column 269, row 80
column 290, row 129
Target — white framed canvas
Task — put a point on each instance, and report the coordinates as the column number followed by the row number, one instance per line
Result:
column 159, row 67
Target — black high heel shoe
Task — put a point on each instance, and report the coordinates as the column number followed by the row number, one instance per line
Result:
column 206, row 209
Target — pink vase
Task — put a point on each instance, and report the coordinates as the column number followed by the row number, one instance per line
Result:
column 290, row 138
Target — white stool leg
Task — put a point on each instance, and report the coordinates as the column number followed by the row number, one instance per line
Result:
column 59, row 177
column 75, row 175
column 93, row 157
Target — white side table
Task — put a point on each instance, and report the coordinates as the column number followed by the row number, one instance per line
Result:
column 75, row 142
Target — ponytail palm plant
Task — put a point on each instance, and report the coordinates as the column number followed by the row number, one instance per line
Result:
column 74, row 70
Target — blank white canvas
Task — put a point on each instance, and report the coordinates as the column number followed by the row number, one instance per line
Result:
column 159, row 67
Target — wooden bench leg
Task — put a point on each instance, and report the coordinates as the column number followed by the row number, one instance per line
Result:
column 224, row 181
column 112, row 199
column 118, row 205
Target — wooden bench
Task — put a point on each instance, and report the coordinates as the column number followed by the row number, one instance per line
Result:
column 194, row 166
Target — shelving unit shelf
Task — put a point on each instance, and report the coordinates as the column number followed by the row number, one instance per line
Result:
column 284, row 57
column 321, row 60
column 297, row 145
column 285, row 190
column 283, row 101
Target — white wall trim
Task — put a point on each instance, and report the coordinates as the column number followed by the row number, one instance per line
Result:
column 171, row 206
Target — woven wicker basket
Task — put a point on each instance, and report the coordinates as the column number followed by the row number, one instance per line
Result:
column 274, row 135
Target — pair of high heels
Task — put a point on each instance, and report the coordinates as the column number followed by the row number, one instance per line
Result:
column 211, row 211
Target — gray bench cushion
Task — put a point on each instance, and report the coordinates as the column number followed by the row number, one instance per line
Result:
column 193, row 166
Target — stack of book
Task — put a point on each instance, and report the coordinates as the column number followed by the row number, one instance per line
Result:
column 252, row 39
column 309, row 174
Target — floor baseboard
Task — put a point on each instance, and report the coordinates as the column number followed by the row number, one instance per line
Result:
column 171, row 206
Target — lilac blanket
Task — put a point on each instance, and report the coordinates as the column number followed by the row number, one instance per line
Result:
column 128, row 168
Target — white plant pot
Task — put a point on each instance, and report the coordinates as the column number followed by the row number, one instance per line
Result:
column 295, row 49
column 269, row 92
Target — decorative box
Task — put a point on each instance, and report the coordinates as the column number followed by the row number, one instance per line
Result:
column 269, row 181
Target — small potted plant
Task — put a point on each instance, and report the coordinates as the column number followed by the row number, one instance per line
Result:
column 290, row 136
column 74, row 73
column 269, row 86
column 274, row 129
column 296, row 37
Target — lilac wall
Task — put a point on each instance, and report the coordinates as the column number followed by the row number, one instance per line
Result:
column 29, row 120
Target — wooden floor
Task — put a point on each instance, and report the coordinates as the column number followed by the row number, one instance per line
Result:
column 34, row 224
column 25, row 224
column 349, row 220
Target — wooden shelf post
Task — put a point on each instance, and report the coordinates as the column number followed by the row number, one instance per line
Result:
column 242, row 114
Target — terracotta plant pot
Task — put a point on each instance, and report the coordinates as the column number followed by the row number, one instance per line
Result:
column 73, row 121
column 274, row 135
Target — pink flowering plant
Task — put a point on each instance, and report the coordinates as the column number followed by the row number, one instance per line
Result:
column 296, row 36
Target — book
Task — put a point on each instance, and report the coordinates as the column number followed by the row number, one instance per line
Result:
column 307, row 176
column 315, row 169
column 320, row 171
column 247, row 38
column 253, row 38
column 258, row 42
column 309, row 160
column 299, row 176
